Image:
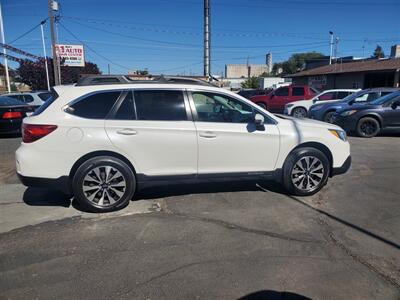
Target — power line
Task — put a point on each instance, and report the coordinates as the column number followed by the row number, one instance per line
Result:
column 26, row 33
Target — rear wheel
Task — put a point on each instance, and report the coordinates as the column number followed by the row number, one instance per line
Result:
column 328, row 118
column 260, row 104
column 104, row 184
column 368, row 127
column 299, row 112
column 305, row 171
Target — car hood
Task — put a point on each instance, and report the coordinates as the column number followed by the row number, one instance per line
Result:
column 300, row 102
column 358, row 107
column 308, row 122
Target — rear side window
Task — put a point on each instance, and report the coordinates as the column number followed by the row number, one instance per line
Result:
column 95, row 106
column 126, row 110
column 28, row 98
column 44, row 96
column 341, row 95
column 298, row 91
column 160, row 105
column 282, row 92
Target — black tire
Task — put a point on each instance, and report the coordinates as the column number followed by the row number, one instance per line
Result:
column 299, row 112
column 260, row 104
column 290, row 171
column 328, row 117
column 368, row 127
column 114, row 192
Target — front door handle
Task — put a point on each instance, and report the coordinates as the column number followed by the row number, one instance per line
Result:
column 127, row 131
column 208, row 134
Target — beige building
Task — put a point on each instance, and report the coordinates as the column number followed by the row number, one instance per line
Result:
column 245, row 70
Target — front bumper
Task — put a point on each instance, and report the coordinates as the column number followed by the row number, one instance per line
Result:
column 62, row 183
column 343, row 169
column 347, row 123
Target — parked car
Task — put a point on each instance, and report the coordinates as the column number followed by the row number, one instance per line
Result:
column 299, row 109
column 326, row 111
column 122, row 134
column 11, row 114
column 248, row 93
column 276, row 100
column 36, row 98
column 369, row 119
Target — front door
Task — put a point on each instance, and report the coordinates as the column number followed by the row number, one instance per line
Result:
column 154, row 129
column 391, row 117
column 279, row 99
column 228, row 140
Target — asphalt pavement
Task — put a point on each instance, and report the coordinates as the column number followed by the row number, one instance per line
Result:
column 210, row 240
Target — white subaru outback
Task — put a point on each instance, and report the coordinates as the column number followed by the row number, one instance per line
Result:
column 106, row 135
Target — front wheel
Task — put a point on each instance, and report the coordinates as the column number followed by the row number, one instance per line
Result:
column 368, row 127
column 103, row 184
column 305, row 171
column 329, row 117
column 299, row 112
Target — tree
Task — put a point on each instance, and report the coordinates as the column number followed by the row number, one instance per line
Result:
column 34, row 73
column 378, row 53
column 142, row 72
column 250, row 83
column 295, row 63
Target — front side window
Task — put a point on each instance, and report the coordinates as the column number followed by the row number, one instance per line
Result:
column 327, row 96
column 160, row 105
column 212, row 107
column 95, row 106
column 282, row 92
column 367, row 97
column 298, row 91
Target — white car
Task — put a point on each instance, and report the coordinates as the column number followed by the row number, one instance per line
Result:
column 105, row 136
column 299, row 109
column 31, row 98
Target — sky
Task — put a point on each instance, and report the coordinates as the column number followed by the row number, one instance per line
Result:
column 166, row 36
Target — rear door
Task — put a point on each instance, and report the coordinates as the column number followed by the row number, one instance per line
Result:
column 154, row 128
column 391, row 117
column 279, row 99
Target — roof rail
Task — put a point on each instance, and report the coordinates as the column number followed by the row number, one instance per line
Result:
column 124, row 79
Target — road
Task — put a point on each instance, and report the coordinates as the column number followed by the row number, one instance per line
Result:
column 210, row 240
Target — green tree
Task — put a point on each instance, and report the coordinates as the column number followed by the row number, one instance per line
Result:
column 378, row 53
column 295, row 63
column 34, row 73
column 250, row 83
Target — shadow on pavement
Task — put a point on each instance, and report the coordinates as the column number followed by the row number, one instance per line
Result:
column 45, row 197
column 273, row 295
column 9, row 136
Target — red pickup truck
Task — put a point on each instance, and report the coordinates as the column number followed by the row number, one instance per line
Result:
column 276, row 100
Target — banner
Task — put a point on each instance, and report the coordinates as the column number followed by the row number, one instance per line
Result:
column 72, row 55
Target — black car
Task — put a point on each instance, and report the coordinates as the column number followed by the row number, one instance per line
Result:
column 11, row 114
column 367, row 120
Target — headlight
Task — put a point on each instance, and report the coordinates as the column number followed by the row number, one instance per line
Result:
column 316, row 107
column 341, row 134
column 289, row 105
column 348, row 113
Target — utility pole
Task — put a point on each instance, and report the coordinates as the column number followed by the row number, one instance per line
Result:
column 109, row 69
column 336, row 47
column 53, row 44
column 331, row 43
column 4, row 51
column 207, row 71
column 45, row 55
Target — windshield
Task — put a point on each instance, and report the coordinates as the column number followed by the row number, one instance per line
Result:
column 386, row 98
column 352, row 96
column 7, row 101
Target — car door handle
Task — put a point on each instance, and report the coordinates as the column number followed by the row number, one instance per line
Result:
column 127, row 131
column 208, row 134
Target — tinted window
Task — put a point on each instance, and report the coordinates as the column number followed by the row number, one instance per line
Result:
column 18, row 97
column 341, row 95
column 6, row 101
column 95, row 106
column 126, row 111
column 327, row 96
column 298, row 91
column 160, row 105
column 28, row 98
column 44, row 96
column 282, row 92
column 212, row 107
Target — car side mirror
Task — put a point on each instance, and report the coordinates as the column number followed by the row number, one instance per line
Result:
column 259, row 120
column 395, row 104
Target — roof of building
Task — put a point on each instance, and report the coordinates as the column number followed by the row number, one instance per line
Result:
column 351, row 67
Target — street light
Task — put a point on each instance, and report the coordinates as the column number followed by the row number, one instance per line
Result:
column 45, row 55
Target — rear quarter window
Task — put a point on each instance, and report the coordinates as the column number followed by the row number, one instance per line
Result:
column 45, row 105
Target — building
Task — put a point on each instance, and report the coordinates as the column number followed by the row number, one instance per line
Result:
column 268, row 61
column 245, row 70
column 361, row 74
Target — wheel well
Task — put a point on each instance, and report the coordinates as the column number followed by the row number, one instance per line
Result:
column 371, row 116
column 320, row 147
column 263, row 103
column 298, row 107
column 90, row 155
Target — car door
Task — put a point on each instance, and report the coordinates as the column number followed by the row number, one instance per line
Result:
column 228, row 140
column 298, row 93
column 154, row 128
column 279, row 99
column 390, row 115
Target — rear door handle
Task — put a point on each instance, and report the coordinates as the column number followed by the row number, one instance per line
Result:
column 127, row 131
column 208, row 134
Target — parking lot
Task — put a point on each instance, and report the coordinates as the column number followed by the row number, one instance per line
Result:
column 205, row 240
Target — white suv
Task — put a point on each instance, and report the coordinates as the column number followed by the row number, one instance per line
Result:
column 299, row 109
column 105, row 136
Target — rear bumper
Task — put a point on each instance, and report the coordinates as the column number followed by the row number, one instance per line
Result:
column 62, row 183
column 343, row 169
column 10, row 126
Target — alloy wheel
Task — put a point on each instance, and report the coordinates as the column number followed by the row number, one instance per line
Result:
column 368, row 128
column 308, row 173
column 299, row 113
column 104, row 185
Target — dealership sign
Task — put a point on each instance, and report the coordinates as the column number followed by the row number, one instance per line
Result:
column 72, row 55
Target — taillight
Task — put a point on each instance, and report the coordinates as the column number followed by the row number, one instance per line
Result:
column 12, row 115
column 31, row 133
